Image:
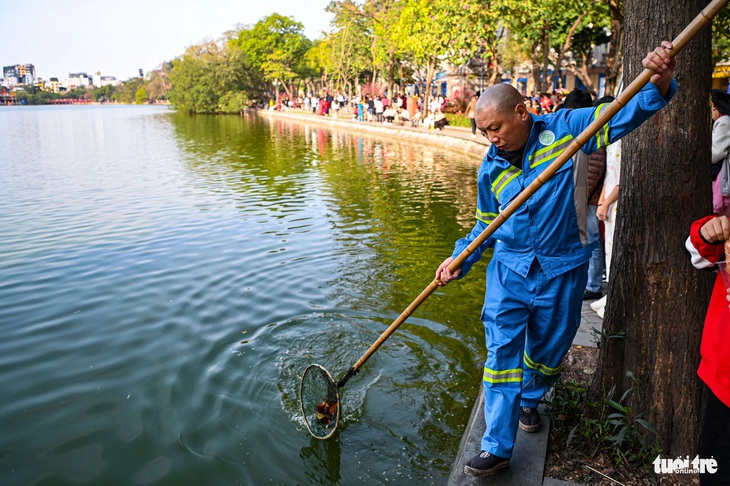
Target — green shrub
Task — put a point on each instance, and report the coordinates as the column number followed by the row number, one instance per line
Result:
column 458, row 120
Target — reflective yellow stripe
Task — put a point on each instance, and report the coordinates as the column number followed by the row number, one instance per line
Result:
column 506, row 376
column 602, row 134
column 550, row 152
column 508, row 175
column 486, row 218
column 545, row 370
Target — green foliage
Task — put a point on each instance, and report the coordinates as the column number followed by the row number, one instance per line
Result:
column 233, row 102
column 276, row 45
column 103, row 93
column 458, row 120
column 34, row 96
column 541, row 25
column 126, row 91
column 609, row 425
column 343, row 55
column 140, row 96
column 721, row 37
column 205, row 75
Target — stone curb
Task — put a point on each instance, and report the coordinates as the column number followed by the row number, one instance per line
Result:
column 453, row 138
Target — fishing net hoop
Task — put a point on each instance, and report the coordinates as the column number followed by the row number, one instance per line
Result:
column 316, row 387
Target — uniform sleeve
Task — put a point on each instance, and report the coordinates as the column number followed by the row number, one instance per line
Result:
column 639, row 109
column 703, row 255
column 487, row 210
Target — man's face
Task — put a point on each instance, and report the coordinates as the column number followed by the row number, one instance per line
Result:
column 508, row 130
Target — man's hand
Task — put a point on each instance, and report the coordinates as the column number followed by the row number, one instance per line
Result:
column 716, row 230
column 444, row 275
column 660, row 62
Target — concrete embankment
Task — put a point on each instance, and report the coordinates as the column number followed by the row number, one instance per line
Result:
column 454, row 138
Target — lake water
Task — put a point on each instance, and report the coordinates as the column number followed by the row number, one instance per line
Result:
column 166, row 279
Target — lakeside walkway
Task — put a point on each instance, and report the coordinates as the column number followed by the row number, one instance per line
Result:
column 455, row 138
column 527, row 467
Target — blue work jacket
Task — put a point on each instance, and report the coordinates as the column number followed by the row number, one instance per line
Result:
column 547, row 226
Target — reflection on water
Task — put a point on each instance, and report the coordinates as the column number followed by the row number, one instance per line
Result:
column 166, row 279
column 321, row 459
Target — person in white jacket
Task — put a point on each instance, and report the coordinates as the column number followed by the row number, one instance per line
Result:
column 720, row 151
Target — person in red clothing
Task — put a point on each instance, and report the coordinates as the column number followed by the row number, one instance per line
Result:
column 706, row 248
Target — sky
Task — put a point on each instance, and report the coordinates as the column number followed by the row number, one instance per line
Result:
column 119, row 38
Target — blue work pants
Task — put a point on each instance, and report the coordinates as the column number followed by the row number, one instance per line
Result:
column 530, row 323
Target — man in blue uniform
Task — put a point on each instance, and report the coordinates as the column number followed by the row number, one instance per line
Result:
column 536, row 278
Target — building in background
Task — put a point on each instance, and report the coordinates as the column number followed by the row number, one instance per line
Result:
column 18, row 74
column 52, row 85
column 98, row 80
column 76, row 80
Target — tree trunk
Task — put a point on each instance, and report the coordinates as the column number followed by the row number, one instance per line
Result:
column 430, row 73
column 536, row 71
column 582, row 74
column 655, row 296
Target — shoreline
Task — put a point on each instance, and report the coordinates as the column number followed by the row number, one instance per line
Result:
column 453, row 138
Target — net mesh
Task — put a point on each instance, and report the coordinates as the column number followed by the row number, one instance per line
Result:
column 320, row 401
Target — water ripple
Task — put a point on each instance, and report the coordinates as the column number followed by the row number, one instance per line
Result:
column 166, row 279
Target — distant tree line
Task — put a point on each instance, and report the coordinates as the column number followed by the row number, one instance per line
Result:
column 388, row 44
column 384, row 45
column 154, row 87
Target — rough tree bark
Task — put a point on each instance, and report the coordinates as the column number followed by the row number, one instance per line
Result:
column 655, row 297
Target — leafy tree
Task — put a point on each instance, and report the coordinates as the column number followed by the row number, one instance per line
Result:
column 126, row 91
column 233, row 101
column 77, row 93
column 547, row 27
column 140, row 96
column 208, row 72
column 345, row 53
column 32, row 95
column 431, row 31
column 103, row 93
column 276, row 45
column 159, row 83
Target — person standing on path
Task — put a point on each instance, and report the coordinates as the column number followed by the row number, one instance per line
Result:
column 606, row 211
column 470, row 113
column 537, row 275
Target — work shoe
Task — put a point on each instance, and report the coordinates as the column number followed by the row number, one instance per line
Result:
column 485, row 464
column 588, row 295
column 529, row 419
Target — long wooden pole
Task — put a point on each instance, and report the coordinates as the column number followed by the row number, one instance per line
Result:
column 702, row 19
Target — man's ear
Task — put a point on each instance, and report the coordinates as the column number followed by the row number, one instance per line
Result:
column 521, row 111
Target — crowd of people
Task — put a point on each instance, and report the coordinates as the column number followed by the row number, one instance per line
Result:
column 399, row 109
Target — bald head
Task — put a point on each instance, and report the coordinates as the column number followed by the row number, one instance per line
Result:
column 502, row 116
column 502, row 98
